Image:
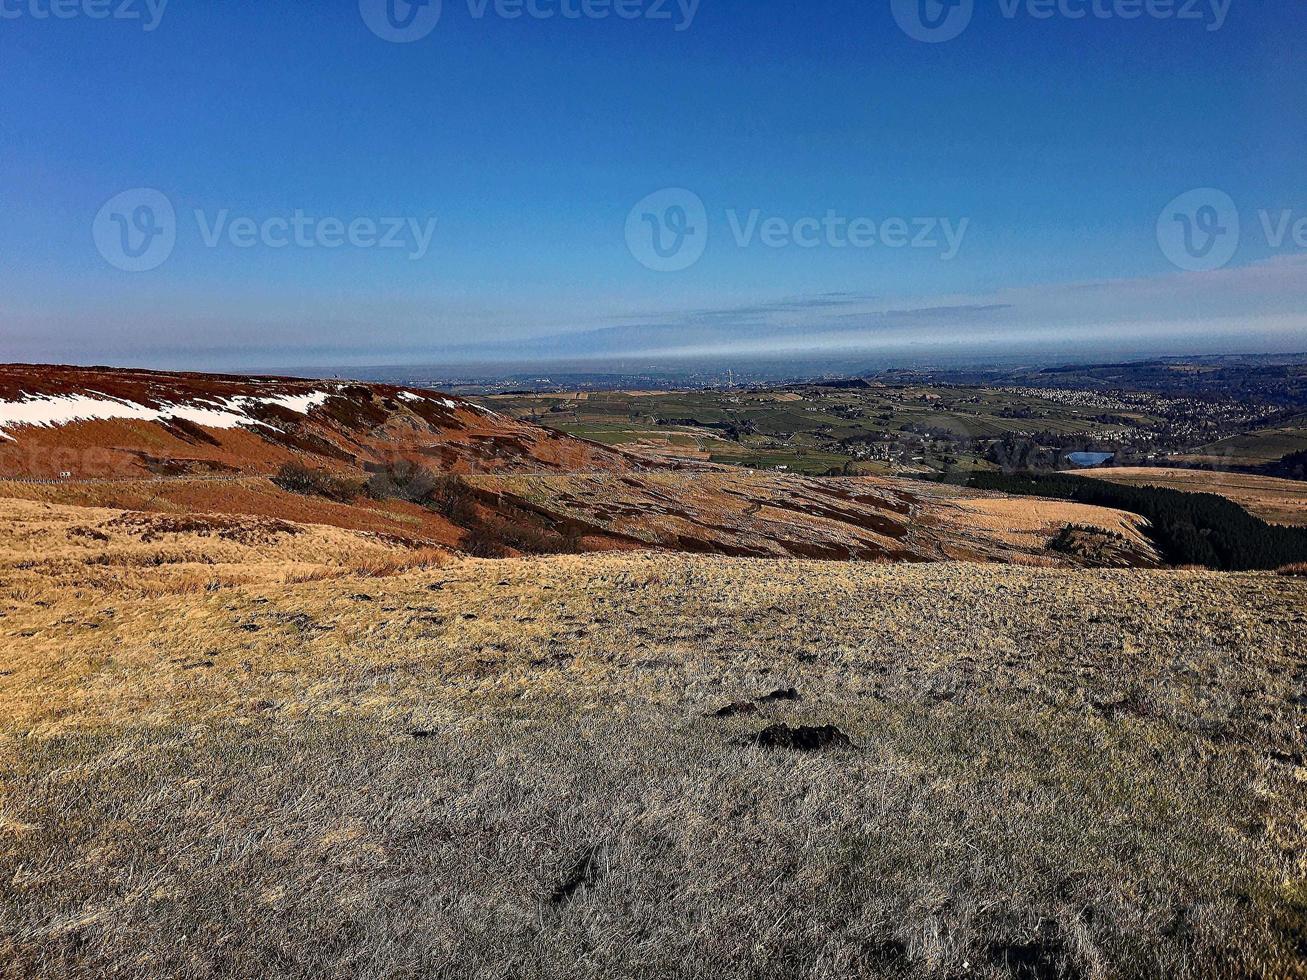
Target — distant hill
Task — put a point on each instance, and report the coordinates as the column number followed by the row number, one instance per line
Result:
column 94, row 423
column 430, row 470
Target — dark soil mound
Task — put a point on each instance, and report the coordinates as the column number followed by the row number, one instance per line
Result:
column 802, row 739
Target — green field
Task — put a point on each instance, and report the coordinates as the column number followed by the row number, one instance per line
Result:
column 1256, row 448
column 814, row 429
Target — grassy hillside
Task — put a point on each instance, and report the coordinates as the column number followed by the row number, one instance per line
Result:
column 724, row 512
column 1189, row 528
column 1258, row 448
column 522, row 768
column 1278, row 501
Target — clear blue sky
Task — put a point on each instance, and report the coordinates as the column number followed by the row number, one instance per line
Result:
column 529, row 141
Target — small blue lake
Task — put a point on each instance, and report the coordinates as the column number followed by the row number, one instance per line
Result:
column 1089, row 459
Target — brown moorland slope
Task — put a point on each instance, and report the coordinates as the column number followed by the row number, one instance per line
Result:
column 761, row 516
column 211, row 767
column 115, row 423
column 198, row 444
column 865, row 518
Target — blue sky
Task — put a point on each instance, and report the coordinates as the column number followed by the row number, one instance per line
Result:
column 1058, row 141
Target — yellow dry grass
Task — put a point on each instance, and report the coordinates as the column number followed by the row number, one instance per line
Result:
column 515, row 767
column 1029, row 522
column 107, row 612
column 60, row 550
column 1275, row 500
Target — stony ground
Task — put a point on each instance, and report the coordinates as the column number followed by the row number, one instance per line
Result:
column 518, row 768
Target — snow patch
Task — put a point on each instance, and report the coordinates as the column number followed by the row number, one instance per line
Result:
column 48, row 410
column 449, row 403
column 297, row 403
column 229, row 417
column 226, row 413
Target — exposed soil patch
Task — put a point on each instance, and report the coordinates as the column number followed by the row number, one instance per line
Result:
column 802, row 739
column 89, row 533
column 150, row 528
column 736, row 708
column 1043, row 958
column 586, row 871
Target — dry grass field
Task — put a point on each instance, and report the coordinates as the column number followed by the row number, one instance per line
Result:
column 731, row 512
column 721, row 512
column 243, row 749
column 1275, row 500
